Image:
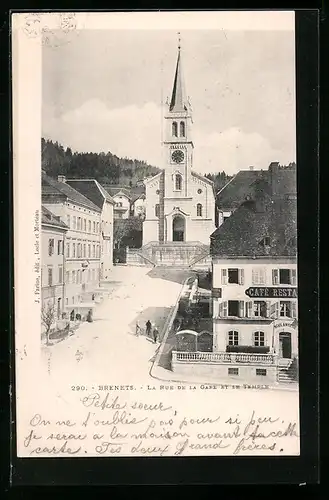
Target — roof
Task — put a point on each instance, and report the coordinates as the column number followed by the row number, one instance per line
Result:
column 202, row 177
column 178, row 99
column 51, row 186
column 236, row 189
column 277, row 180
column 243, row 232
column 92, row 190
column 47, row 217
column 113, row 191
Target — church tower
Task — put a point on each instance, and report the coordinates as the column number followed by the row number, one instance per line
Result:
column 180, row 203
column 178, row 144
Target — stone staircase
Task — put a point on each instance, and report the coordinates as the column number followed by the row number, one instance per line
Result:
column 171, row 254
column 287, row 373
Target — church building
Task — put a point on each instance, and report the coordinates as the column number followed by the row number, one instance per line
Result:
column 180, row 203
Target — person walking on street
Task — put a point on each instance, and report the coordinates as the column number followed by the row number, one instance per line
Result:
column 148, row 327
column 138, row 329
column 155, row 334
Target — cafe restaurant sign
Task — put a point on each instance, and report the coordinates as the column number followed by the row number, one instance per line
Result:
column 271, row 292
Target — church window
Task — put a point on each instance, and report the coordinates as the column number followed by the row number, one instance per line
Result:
column 174, row 129
column 182, row 129
column 157, row 210
column 178, row 182
column 199, row 210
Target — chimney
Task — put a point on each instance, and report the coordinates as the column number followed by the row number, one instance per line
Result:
column 61, row 178
column 251, row 168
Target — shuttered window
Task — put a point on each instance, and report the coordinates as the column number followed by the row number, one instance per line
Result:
column 259, row 276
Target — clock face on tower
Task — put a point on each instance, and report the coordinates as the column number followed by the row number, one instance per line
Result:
column 177, row 156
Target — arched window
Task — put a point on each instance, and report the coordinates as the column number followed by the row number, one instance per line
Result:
column 157, row 210
column 182, row 129
column 233, row 337
column 259, row 339
column 178, row 182
column 174, row 129
column 199, row 210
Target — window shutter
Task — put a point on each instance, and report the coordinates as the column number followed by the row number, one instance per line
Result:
column 275, row 276
column 262, row 276
column 224, row 308
column 274, row 310
column 268, row 306
column 216, row 306
column 224, row 276
column 294, row 309
column 241, row 308
column 293, row 276
column 241, row 276
column 249, row 306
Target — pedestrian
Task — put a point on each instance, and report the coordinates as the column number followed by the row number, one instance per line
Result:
column 148, row 327
column 138, row 329
column 155, row 334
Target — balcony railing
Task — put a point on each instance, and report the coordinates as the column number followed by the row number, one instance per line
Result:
column 223, row 357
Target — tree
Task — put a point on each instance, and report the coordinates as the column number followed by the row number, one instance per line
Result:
column 48, row 317
column 123, row 227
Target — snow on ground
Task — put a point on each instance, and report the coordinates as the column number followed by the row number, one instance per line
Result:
column 108, row 348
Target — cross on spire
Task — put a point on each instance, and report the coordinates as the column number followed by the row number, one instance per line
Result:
column 179, row 40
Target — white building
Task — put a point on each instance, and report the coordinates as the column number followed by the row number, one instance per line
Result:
column 254, row 291
column 138, row 205
column 95, row 192
column 122, row 200
column 53, row 232
column 83, row 240
column 180, row 204
column 254, row 274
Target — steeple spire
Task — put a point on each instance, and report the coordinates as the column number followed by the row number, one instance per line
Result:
column 178, row 99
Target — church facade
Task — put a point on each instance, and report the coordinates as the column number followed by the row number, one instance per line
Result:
column 180, row 204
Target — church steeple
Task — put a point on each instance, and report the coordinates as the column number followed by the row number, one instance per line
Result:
column 178, row 102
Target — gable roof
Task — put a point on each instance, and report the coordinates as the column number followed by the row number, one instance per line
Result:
column 202, row 178
column 52, row 187
column 113, row 191
column 92, row 190
column 242, row 233
column 47, row 217
column 236, row 189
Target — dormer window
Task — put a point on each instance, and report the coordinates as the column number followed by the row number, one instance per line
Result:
column 265, row 242
column 182, row 129
column 292, row 242
column 174, row 129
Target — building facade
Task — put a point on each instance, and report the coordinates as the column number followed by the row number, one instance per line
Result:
column 83, row 238
column 180, row 204
column 257, row 306
column 95, row 192
column 53, row 233
column 254, row 290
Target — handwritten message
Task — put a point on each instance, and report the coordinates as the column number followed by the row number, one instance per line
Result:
column 111, row 425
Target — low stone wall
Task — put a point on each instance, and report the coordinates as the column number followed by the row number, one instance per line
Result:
column 218, row 371
column 135, row 258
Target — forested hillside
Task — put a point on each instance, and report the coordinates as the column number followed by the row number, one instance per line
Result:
column 219, row 179
column 107, row 168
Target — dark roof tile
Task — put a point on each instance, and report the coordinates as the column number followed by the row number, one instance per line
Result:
column 52, row 187
column 47, row 217
column 242, row 233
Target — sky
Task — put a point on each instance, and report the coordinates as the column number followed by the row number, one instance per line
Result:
column 102, row 91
